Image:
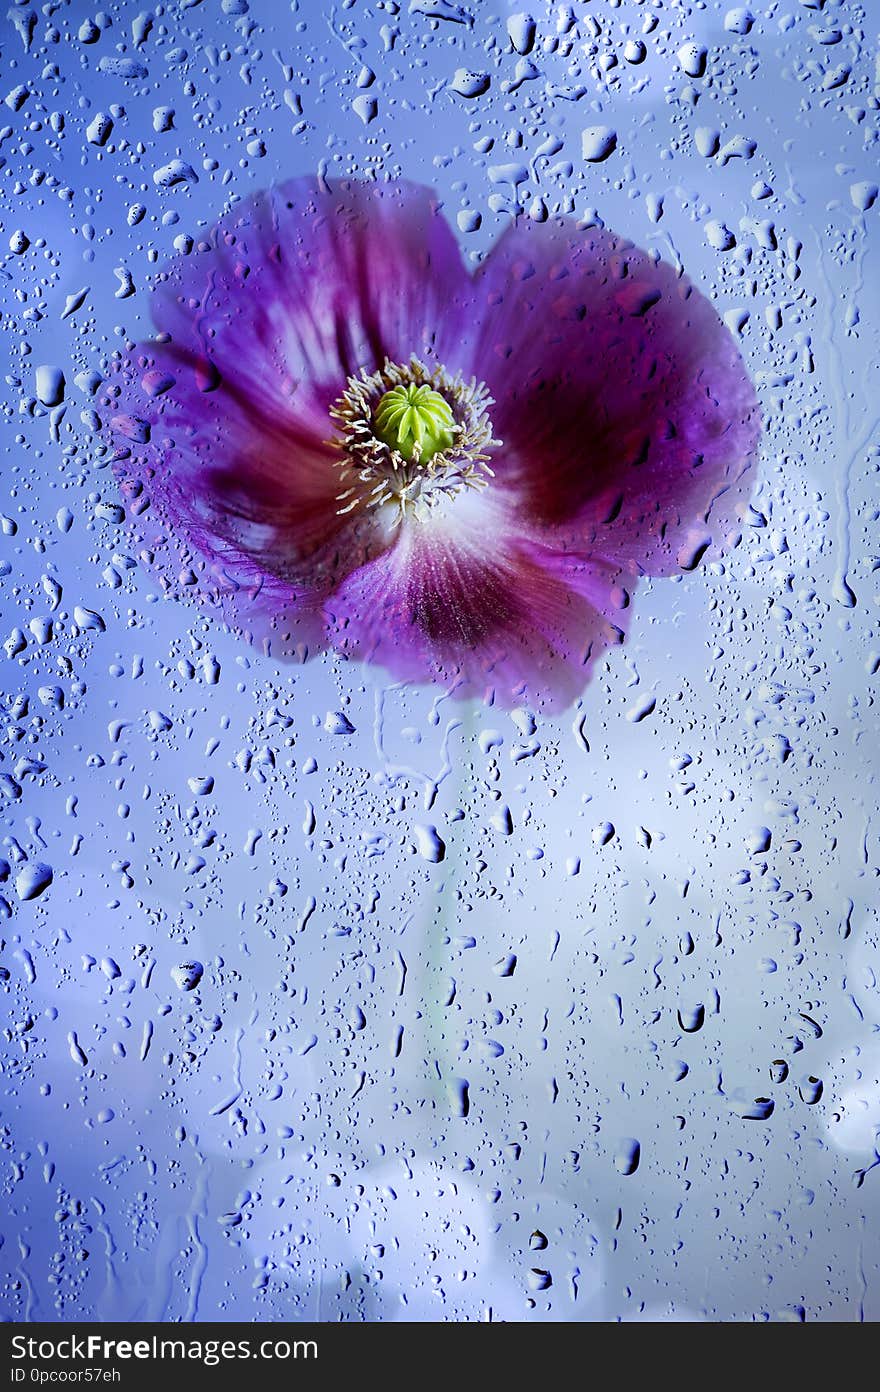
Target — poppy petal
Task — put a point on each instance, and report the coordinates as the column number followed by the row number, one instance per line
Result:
column 223, row 423
column 628, row 419
column 464, row 600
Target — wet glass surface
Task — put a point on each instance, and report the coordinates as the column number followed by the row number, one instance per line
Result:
column 330, row 997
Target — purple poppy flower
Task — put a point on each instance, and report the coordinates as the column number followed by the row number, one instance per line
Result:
column 360, row 444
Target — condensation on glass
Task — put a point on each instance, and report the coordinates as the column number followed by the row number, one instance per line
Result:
column 331, row 998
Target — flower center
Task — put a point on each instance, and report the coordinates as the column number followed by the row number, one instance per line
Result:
column 411, row 436
column 416, row 421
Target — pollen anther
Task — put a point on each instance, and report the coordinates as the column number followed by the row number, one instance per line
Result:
column 411, row 436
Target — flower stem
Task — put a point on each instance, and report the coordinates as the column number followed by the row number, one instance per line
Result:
column 440, row 1056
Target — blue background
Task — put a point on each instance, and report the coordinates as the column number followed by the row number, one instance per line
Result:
column 407, row 1088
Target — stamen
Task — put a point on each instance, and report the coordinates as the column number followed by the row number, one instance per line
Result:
column 411, row 436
